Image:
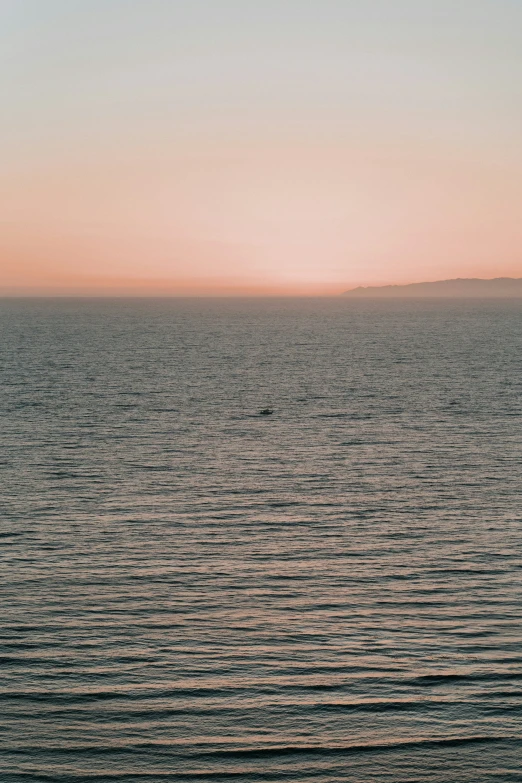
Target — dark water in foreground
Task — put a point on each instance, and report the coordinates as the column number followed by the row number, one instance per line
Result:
column 190, row 591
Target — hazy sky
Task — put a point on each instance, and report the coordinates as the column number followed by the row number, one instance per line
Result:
column 258, row 145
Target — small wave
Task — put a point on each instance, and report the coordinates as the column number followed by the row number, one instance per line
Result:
column 337, row 750
column 428, row 680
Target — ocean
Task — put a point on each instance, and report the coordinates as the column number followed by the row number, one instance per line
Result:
column 193, row 591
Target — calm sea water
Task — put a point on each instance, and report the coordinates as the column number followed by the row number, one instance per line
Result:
column 191, row 591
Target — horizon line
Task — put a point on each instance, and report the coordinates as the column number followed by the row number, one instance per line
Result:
column 163, row 289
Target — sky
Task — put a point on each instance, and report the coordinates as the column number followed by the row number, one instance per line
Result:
column 258, row 146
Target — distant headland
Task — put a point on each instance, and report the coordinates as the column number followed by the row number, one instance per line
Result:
column 505, row 287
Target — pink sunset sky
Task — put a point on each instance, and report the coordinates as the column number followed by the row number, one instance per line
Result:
column 220, row 147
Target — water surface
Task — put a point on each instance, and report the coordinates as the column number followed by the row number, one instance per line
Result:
column 191, row 591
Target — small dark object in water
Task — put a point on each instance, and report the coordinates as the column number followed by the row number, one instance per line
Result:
column 266, row 412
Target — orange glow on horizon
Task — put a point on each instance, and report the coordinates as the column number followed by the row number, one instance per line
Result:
column 310, row 220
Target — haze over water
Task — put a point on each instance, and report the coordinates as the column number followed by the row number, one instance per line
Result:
column 194, row 591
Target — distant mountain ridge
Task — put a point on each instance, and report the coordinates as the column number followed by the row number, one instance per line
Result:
column 504, row 287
